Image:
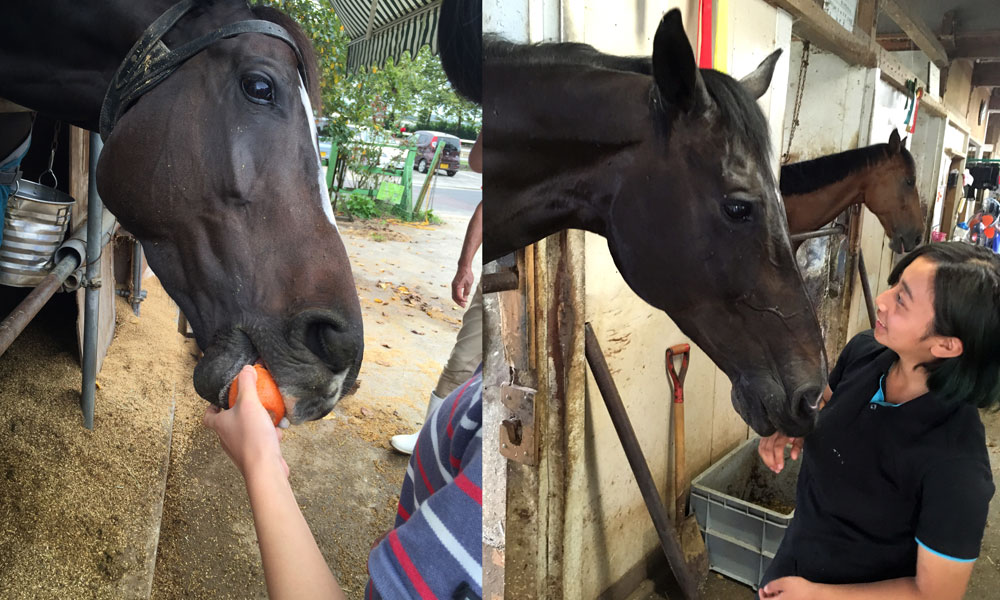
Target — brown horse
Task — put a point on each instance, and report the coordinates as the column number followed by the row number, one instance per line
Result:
column 214, row 168
column 882, row 176
column 671, row 164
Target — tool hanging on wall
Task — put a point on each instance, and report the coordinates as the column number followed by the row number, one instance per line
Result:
column 914, row 94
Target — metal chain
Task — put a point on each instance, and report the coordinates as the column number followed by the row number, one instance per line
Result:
column 803, row 69
column 52, row 156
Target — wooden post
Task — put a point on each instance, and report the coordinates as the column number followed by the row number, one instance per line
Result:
column 951, row 195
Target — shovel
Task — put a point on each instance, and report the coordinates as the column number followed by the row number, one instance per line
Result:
column 692, row 543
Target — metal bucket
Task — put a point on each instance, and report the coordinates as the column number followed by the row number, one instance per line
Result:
column 34, row 226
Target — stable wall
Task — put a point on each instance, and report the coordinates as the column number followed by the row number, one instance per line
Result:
column 609, row 540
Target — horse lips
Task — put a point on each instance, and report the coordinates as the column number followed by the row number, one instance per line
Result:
column 267, row 391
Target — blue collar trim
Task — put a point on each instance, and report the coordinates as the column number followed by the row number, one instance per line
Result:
column 879, row 397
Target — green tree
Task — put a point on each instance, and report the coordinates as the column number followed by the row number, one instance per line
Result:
column 374, row 98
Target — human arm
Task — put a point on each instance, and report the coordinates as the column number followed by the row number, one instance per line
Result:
column 476, row 154
column 461, row 285
column 772, row 447
column 294, row 567
column 937, row 578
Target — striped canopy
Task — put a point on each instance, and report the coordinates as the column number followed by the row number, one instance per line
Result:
column 383, row 28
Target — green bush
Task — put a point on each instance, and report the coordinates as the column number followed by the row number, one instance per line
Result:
column 361, row 206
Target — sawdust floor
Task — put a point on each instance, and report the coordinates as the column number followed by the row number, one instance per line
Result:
column 985, row 574
column 79, row 509
column 76, row 506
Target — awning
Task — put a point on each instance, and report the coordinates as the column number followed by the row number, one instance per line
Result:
column 382, row 28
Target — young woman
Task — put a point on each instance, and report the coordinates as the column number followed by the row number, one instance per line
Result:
column 895, row 482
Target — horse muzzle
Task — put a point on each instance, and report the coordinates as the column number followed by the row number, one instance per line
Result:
column 313, row 356
column 766, row 407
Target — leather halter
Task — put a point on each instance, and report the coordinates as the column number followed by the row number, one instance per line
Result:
column 150, row 61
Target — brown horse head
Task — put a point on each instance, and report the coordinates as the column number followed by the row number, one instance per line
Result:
column 216, row 171
column 891, row 194
column 672, row 165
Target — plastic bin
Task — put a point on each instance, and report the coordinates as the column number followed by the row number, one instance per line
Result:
column 743, row 510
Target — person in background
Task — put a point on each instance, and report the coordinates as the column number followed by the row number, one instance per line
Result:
column 468, row 349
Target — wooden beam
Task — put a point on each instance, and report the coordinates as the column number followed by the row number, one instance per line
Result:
column 813, row 24
column 981, row 44
column 900, row 11
column 947, row 35
column 994, row 101
column 866, row 16
column 986, row 73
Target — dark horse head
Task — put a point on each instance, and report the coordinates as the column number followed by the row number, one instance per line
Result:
column 216, row 171
column 671, row 164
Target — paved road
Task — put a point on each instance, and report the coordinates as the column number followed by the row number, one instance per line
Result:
column 456, row 195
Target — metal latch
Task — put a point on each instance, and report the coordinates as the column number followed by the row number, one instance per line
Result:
column 517, row 432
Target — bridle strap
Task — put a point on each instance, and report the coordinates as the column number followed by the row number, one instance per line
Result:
column 149, row 61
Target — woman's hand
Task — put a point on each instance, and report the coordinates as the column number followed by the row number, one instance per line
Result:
column 246, row 431
column 772, row 450
column 788, row 588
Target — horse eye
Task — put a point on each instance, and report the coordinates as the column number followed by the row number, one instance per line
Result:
column 258, row 89
column 738, row 210
column 911, row 182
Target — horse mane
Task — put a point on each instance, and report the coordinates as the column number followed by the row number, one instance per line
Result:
column 811, row 175
column 738, row 110
column 460, row 45
column 562, row 53
column 311, row 68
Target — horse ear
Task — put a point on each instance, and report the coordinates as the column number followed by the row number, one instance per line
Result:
column 894, row 142
column 674, row 70
column 756, row 83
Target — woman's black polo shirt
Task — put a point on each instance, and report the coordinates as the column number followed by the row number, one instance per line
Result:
column 877, row 479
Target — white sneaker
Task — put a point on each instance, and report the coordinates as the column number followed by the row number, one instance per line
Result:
column 406, row 442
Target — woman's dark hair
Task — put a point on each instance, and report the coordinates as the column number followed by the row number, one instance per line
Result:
column 966, row 306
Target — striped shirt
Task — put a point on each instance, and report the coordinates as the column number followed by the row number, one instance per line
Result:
column 436, row 547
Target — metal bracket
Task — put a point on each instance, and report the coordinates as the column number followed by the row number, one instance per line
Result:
column 517, row 432
column 93, row 284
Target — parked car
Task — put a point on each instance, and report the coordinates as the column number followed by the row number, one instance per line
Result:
column 426, row 143
column 325, row 147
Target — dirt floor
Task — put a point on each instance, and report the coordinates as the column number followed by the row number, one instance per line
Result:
column 79, row 510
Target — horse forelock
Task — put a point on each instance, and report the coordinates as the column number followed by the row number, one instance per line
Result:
column 739, row 112
column 311, row 66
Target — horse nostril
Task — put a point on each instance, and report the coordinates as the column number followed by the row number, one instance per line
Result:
column 332, row 342
column 806, row 401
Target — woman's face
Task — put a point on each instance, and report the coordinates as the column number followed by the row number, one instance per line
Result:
column 905, row 312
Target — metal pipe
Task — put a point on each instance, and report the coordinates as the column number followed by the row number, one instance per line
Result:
column 18, row 319
column 77, row 244
column 619, row 417
column 137, row 296
column 92, row 298
column 866, row 288
column 807, row 235
column 501, row 281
